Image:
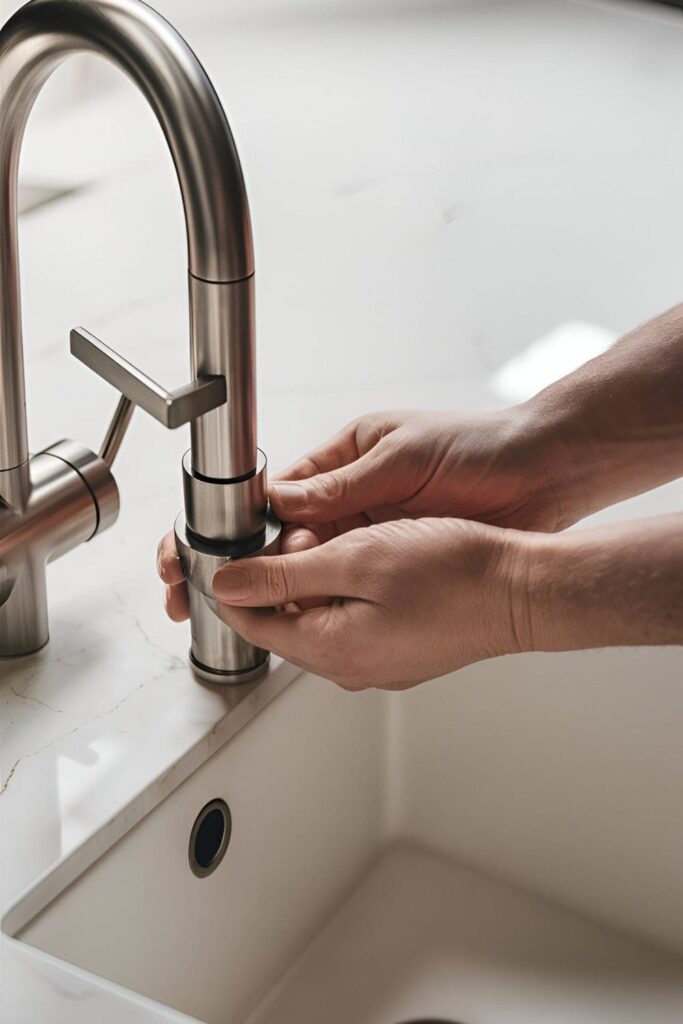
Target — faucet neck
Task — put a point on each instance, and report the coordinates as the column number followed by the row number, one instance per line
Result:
column 220, row 251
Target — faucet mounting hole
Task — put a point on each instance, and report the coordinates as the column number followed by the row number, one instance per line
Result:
column 209, row 838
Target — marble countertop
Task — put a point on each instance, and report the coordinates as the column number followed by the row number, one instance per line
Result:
column 432, row 190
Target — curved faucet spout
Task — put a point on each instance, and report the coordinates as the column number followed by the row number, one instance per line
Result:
column 65, row 495
column 220, row 252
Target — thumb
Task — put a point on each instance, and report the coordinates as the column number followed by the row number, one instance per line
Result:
column 366, row 483
column 271, row 580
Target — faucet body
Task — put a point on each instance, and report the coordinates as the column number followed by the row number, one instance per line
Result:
column 223, row 474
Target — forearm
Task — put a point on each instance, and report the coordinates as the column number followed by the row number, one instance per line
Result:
column 614, row 586
column 614, row 428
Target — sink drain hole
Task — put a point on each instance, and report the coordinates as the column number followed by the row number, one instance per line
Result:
column 209, row 838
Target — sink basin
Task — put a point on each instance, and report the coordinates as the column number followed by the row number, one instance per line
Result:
column 342, row 895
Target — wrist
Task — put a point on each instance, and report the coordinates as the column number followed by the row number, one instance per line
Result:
column 538, row 577
column 548, row 583
column 514, row 568
column 560, row 459
column 608, row 586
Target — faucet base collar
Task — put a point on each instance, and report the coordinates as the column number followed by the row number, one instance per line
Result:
column 219, row 677
column 218, row 654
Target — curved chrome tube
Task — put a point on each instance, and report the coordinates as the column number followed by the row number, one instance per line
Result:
column 225, row 486
column 220, row 250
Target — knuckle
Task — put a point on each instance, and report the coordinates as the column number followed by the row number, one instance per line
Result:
column 278, row 580
column 328, row 487
column 308, row 466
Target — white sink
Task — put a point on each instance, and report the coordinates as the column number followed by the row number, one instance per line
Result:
column 342, row 896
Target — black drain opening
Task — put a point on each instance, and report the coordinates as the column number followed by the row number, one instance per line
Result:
column 430, row 1020
column 209, row 838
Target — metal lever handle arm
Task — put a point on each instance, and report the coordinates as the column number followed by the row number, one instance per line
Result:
column 116, row 431
column 171, row 408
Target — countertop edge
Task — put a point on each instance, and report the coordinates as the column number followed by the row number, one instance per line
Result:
column 250, row 699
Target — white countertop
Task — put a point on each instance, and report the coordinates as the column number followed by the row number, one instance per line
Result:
column 431, row 192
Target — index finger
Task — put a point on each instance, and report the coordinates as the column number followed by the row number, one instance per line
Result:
column 339, row 451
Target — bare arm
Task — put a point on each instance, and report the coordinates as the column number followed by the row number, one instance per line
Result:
column 416, row 599
column 376, row 522
column 614, row 428
column 620, row 585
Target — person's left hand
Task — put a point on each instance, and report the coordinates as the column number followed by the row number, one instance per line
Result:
column 412, row 599
column 176, row 600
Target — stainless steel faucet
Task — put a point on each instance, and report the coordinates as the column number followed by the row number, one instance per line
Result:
column 65, row 495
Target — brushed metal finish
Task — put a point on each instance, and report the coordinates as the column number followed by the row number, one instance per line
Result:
column 15, row 486
column 96, row 475
column 219, row 511
column 139, row 41
column 116, row 431
column 70, row 496
column 218, row 654
column 222, row 338
column 215, row 645
column 170, row 408
column 227, row 497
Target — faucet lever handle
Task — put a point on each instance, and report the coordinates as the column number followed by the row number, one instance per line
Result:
column 172, row 408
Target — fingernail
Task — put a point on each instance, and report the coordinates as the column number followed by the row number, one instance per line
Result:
column 231, row 583
column 292, row 495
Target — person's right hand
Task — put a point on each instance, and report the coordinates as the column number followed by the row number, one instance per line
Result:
column 407, row 465
column 385, row 466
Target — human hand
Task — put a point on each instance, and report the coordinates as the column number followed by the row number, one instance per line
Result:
column 491, row 467
column 411, row 600
column 394, row 465
column 176, row 599
column 415, row 599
